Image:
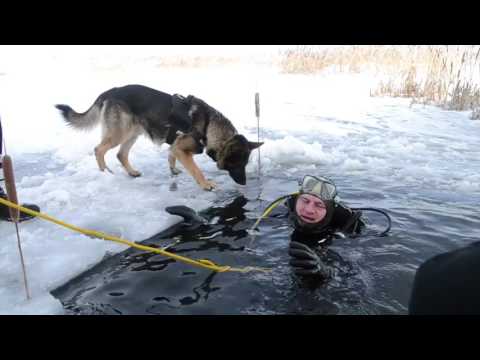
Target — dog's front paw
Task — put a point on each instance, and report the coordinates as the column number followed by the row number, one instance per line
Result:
column 208, row 185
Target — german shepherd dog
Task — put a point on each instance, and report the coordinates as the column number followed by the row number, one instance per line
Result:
column 189, row 125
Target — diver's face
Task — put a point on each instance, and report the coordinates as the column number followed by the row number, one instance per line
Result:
column 310, row 209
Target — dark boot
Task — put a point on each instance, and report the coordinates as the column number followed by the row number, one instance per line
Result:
column 5, row 213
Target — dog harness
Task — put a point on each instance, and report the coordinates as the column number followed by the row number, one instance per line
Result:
column 181, row 121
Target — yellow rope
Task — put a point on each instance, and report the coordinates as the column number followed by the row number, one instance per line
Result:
column 269, row 210
column 201, row 263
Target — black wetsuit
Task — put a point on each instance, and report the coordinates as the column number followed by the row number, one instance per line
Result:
column 342, row 220
column 448, row 284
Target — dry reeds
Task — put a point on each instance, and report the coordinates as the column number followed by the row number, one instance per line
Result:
column 448, row 76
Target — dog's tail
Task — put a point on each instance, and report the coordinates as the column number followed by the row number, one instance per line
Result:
column 83, row 121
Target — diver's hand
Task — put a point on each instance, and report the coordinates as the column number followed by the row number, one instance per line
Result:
column 189, row 215
column 305, row 261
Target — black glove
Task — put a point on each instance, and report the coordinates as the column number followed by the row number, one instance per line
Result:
column 305, row 261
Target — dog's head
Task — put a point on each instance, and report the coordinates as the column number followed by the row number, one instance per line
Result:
column 234, row 157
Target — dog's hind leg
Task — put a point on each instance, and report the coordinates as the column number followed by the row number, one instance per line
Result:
column 122, row 156
column 101, row 150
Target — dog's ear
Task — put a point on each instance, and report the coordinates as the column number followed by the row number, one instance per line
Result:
column 254, row 145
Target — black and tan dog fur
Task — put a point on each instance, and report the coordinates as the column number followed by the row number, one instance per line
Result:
column 127, row 112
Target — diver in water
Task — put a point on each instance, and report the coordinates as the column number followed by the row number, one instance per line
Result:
column 316, row 217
